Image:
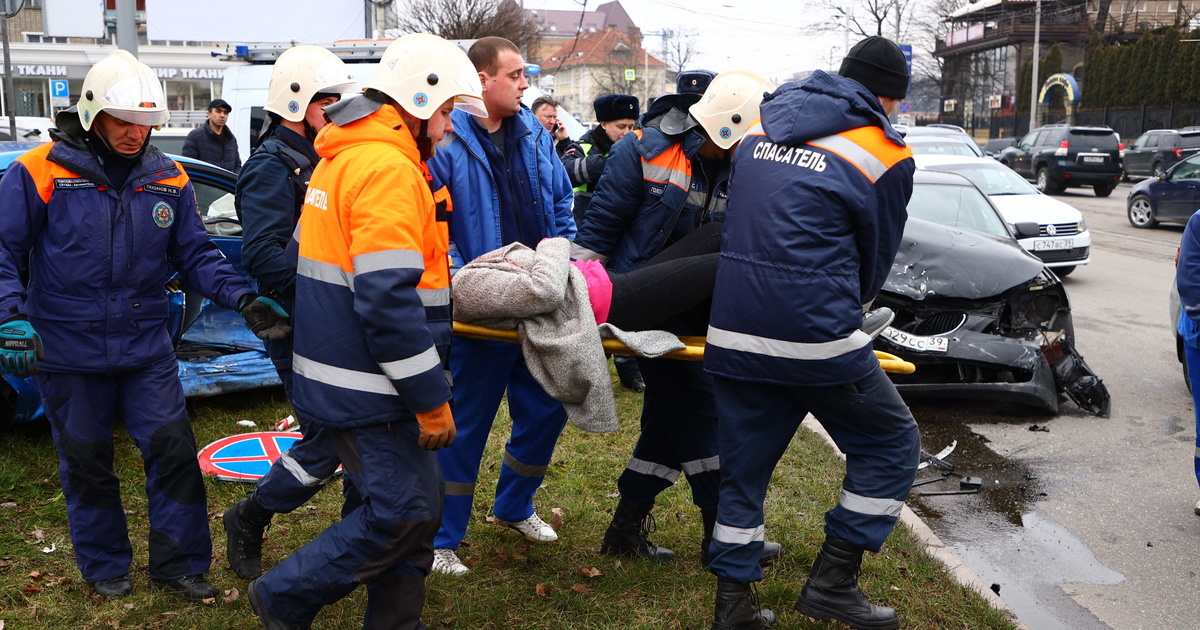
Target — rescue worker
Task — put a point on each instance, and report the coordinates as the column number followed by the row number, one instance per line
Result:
column 101, row 216
column 508, row 185
column 661, row 183
column 584, row 159
column 270, row 194
column 816, row 214
column 372, row 337
column 1187, row 281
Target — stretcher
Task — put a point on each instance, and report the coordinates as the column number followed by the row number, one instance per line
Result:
column 694, row 350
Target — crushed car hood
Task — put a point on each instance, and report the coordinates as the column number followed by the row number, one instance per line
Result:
column 939, row 261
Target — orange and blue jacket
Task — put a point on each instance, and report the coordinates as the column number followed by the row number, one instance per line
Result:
column 372, row 320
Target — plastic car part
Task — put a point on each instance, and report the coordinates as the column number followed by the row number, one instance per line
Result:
column 1080, row 383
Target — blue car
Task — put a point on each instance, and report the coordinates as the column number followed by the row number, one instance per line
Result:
column 1172, row 197
column 216, row 353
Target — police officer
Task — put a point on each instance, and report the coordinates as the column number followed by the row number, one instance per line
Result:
column 270, row 194
column 101, row 216
column 816, row 214
column 660, row 183
column 372, row 337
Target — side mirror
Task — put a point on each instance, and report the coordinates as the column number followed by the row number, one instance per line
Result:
column 1027, row 229
column 1015, row 142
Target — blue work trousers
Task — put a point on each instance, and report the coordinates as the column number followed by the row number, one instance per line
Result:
column 280, row 353
column 386, row 543
column 867, row 420
column 1193, row 365
column 83, row 411
column 483, row 371
column 679, row 434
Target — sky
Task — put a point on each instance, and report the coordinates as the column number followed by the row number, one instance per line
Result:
column 772, row 37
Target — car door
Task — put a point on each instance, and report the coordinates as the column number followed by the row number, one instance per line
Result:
column 1021, row 163
column 1137, row 161
column 1177, row 197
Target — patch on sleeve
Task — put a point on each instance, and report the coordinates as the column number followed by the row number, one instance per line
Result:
column 162, row 189
column 73, row 183
column 164, row 214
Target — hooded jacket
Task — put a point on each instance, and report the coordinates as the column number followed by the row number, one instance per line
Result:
column 372, row 320
column 817, row 207
column 98, row 256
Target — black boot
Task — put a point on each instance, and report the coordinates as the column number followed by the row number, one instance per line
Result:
column 194, row 588
column 832, row 590
column 626, row 535
column 629, row 372
column 770, row 549
column 113, row 587
column 737, row 608
column 245, row 524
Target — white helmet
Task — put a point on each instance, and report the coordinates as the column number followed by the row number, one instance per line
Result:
column 125, row 88
column 301, row 73
column 730, row 105
column 422, row 71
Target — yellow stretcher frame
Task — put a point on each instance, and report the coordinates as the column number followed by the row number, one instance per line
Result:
column 693, row 352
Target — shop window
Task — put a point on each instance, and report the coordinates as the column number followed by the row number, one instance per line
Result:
column 38, row 38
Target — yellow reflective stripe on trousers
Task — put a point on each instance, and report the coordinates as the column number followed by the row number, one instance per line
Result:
column 867, row 505
column 739, row 535
column 743, row 342
column 342, row 377
column 870, row 165
column 412, row 366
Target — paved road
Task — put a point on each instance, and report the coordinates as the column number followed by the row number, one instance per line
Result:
column 1114, row 542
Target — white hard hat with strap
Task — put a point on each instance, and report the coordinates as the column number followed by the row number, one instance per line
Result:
column 301, row 73
column 730, row 106
column 125, row 88
column 422, row 71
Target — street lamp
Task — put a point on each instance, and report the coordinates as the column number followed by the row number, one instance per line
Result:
column 1033, row 87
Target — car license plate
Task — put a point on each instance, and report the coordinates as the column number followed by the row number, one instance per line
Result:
column 1093, row 159
column 916, row 342
column 1054, row 244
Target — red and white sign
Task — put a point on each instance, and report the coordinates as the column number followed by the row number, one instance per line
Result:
column 245, row 457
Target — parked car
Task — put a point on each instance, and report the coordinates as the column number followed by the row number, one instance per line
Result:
column 216, row 353
column 1057, row 157
column 1158, row 150
column 1062, row 241
column 1171, row 198
column 994, row 146
column 940, row 135
column 979, row 316
column 170, row 139
column 942, row 145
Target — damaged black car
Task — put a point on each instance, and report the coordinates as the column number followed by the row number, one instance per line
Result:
column 979, row 316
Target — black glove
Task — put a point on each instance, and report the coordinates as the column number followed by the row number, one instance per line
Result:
column 264, row 317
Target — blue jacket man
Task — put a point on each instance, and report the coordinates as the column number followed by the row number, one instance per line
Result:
column 659, row 184
column 1187, row 281
column 214, row 142
column 507, row 184
column 101, row 216
column 817, row 209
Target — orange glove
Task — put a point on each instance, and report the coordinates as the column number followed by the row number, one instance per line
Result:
column 437, row 427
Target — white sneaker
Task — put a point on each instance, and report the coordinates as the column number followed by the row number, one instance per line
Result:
column 533, row 528
column 447, row 562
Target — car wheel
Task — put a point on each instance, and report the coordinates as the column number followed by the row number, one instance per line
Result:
column 1063, row 272
column 1157, row 171
column 1124, row 175
column 1104, row 190
column 1141, row 212
column 1045, row 184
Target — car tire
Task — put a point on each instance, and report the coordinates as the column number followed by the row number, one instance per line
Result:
column 1045, row 184
column 1124, row 175
column 1104, row 190
column 1141, row 212
column 1157, row 170
column 1063, row 272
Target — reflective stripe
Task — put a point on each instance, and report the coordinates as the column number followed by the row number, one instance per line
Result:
column 525, row 470
column 434, row 297
column 867, row 505
column 325, row 272
column 787, row 349
column 739, row 535
column 297, row 471
column 870, row 165
column 389, row 259
column 412, row 366
column 756, row 130
column 697, row 466
column 696, row 198
column 652, row 469
column 459, row 489
column 341, row 377
column 664, row 175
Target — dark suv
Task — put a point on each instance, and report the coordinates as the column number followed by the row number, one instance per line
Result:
column 1158, row 150
column 1062, row 156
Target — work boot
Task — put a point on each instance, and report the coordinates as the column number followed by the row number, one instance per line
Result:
column 194, row 588
column 245, row 524
column 875, row 321
column 626, row 535
column 737, row 608
column 832, row 591
column 629, row 373
column 269, row 621
column 770, row 549
column 113, row 587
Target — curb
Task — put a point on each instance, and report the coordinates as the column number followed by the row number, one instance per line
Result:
column 934, row 546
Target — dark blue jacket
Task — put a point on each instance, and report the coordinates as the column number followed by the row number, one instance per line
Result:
column 1187, row 280
column 270, row 194
column 817, row 208
column 650, row 195
column 98, row 258
column 203, row 144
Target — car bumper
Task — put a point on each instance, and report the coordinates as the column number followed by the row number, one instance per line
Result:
column 1071, row 175
column 1061, row 251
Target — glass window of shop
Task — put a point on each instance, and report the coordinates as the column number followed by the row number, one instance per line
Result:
column 30, row 97
column 191, row 95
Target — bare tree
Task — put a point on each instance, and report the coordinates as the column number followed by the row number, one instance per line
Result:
column 679, row 48
column 468, row 19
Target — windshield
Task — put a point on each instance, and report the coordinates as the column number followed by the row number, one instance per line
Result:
column 1097, row 139
column 961, row 207
column 992, row 180
column 1190, row 140
column 924, row 147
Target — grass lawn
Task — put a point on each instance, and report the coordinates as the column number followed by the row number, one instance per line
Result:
column 513, row 584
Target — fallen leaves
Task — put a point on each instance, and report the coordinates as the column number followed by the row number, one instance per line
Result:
column 544, row 590
column 231, row 596
column 590, row 572
column 581, row 589
column 556, row 518
column 38, row 535
column 208, row 601
column 8, row 505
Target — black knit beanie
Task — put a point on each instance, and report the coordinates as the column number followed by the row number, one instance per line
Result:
column 879, row 65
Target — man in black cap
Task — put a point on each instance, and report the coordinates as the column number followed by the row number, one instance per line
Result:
column 784, row 339
column 584, row 158
column 214, row 142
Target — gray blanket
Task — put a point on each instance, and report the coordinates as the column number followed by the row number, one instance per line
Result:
column 545, row 298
